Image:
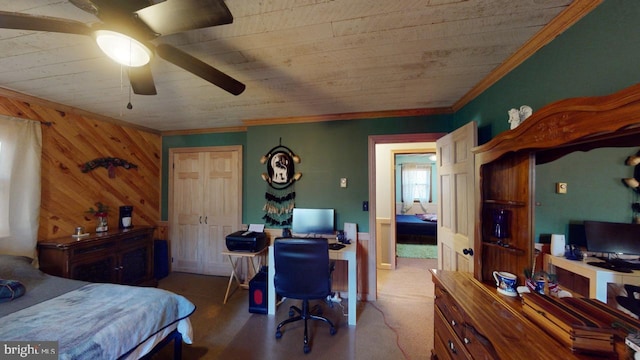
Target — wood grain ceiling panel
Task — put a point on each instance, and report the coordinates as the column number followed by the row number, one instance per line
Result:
column 298, row 58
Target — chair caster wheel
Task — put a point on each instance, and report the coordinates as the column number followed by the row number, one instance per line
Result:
column 332, row 331
column 278, row 334
column 307, row 348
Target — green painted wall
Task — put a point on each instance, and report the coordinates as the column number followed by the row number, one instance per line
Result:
column 329, row 151
column 597, row 56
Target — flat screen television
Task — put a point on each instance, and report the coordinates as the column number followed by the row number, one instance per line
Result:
column 612, row 238
column 313, row 221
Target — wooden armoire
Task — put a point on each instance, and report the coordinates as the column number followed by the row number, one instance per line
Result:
column 505, row 169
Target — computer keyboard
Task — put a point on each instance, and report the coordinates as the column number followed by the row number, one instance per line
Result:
column 633, row 265
column 610, row 266
column 336, row 246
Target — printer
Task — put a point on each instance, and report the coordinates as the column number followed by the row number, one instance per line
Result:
column 250, row 241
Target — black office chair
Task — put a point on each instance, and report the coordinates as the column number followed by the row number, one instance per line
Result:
column 302, row 271
column 630, row 302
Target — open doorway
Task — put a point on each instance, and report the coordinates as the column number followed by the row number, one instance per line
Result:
column 416, row 198
column 390, row 212
column 381, row 197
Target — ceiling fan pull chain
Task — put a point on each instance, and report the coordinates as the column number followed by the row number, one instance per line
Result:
column 129, row 105
column 121, row 86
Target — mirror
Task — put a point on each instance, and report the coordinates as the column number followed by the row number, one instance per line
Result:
column 594, row 189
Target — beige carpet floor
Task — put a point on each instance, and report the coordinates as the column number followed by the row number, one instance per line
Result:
column 399, row 325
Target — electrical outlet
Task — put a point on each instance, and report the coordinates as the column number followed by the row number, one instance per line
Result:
column 561, row 188
column 365, row 206
column 343, row 182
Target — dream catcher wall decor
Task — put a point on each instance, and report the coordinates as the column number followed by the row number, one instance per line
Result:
column 280, row 177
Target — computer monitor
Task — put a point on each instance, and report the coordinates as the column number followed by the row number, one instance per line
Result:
column 612, row 238
column 576, row 235
column 313, row 221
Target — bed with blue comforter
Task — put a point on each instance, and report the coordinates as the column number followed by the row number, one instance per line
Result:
column 88, row 320
column 416, row 229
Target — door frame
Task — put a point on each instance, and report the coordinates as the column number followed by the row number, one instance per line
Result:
column 373, row 140
column 394, row 200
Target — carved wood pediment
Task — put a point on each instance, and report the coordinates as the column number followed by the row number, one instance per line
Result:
column 577, row 124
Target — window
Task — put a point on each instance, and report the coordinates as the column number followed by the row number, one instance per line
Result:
column 20, row 152
column 416, row 183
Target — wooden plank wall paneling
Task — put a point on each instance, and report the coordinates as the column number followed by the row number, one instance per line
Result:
column 72, row 140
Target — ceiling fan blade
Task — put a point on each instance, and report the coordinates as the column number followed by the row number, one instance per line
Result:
column 174, row 16
column 9, row 20
column 199, row 68
column 98, row 7
column 141, row 80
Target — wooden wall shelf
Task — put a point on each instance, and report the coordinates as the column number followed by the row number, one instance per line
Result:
column 505, row 202
column 509, row 249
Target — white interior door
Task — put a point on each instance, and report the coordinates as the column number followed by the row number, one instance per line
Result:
column 205, row 206
column 185, row 222
column 223, row 216
column 456, row 173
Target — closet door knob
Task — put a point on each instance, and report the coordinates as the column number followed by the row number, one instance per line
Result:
column 468, row 251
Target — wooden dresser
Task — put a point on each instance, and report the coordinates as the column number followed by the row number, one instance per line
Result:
column 117, row 256
column 473, row 321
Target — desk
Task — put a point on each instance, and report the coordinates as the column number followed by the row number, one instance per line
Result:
column 348, row 253
column 598, row 277
column 235, row 257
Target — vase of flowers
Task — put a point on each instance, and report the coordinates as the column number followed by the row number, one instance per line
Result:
column 100, row 212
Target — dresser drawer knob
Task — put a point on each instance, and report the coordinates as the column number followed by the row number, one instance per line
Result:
column 452, row 346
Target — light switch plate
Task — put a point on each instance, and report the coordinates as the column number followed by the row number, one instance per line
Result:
column 561, row 188
column 343, row 182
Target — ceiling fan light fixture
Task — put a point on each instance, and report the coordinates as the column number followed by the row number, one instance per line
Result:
column 123, row 49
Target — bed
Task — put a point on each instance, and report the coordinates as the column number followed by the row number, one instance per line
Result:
column 416, row 229
column 89, row 320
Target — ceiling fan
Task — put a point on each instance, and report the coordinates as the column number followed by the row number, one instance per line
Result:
column 137, row 22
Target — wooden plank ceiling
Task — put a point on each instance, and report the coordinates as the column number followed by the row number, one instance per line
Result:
column 298, row 58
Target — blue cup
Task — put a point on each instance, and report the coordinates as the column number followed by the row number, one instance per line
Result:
column 506, row 283
column 540, row 284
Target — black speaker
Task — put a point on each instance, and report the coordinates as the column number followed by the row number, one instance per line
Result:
column 160, row 259
column 258, row 292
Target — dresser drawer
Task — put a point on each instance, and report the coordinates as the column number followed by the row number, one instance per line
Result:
column 447, row 343
column 452, row 314
column 477, row 344
column 85, row 252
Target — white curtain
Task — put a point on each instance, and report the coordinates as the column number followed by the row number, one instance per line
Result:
column 416, row 185
column 20, row 157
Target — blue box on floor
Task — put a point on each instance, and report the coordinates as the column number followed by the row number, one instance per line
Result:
column 258, row 292
column 160, row 259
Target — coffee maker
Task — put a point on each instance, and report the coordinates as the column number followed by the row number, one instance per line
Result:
column 124, row 221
